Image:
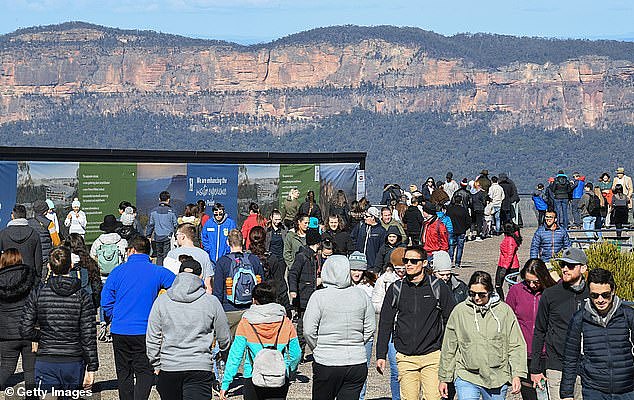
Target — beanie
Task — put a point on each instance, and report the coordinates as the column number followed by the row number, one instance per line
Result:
column 396, row 256
column 358, row 261
column 75, row 203
column 429, row 208
column 312, row 237
column 441, row 261
column 50, row 204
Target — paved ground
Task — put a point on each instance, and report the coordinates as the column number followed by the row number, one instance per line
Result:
column 477, row 256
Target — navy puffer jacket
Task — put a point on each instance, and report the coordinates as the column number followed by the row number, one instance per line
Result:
column 607, row 362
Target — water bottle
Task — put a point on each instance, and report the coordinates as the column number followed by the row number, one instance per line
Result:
column 542, row 394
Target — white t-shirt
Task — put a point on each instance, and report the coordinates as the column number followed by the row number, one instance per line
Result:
column 200, row 255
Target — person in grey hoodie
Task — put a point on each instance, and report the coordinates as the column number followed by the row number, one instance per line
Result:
column 338, row 321
column 180, row 332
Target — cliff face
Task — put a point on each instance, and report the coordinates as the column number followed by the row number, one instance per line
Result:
column 76, row 69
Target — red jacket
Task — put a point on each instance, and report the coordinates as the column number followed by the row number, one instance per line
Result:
column 249, row 223
column 435, row 236
column 508, row 253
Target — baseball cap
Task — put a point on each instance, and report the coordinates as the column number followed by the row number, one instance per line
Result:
column 573, row 255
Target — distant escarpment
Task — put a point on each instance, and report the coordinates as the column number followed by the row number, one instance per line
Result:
column 88, row 69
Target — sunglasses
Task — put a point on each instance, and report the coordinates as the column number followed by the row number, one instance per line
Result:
column 218, row 213
column 411, row 260
column 532, row 281
column 605, row 295
column 569, row 266
column 480, row 295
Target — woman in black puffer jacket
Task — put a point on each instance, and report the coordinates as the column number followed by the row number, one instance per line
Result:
column 16, row 282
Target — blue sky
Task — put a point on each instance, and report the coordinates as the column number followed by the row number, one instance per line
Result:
column 251, row 21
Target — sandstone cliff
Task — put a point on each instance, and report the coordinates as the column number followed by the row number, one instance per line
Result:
column 92, row 69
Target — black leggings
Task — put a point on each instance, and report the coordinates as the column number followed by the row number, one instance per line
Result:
column 10, row 351
column 500, row 274
column 252, row 392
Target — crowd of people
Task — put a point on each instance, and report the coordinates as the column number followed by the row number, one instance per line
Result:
column 194, row 304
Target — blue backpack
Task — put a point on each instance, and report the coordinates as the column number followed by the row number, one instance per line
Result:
column 540, row 203
column 243, row 279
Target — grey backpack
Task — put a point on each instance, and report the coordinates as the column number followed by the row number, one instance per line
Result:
column 269, row 366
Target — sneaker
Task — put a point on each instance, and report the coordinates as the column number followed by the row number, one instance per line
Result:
column 478, row 239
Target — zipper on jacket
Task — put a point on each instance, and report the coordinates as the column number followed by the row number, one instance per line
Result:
column 217, row 241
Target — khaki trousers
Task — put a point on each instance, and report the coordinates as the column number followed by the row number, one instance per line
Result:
column 416, row 373
column 553, row 380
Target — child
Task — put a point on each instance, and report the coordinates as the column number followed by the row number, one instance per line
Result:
column 76, row 219
column 66, row 357
column 508, row 261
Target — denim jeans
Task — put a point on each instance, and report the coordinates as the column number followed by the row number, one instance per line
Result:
column 561, row 208
column 395, row 388
column 588, row 224
column 496, row 217
column 368, row 353
column 468, row 391
column 457, row 246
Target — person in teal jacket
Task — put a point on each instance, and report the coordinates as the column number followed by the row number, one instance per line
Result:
column 265, row 323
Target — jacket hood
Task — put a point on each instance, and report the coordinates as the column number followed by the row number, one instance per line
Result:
column 602, row 320
column 16, row 282
column 109, row 238
column 336, row 272
column 186, row 288
column 393, row 230
column 494, row 301
column 64, row 285
column 18, row 222
column 222, row 221
column 163, row 208
column 561, row 178
column 264, row 313
column 20, row 231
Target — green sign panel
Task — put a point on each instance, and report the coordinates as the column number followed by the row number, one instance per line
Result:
column 101, row 188
column 303, row 177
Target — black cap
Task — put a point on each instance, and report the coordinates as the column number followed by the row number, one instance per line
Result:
column 191, row 266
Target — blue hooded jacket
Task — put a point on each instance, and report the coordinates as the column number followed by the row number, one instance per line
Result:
column 546, row 242
column 577, row 192
column 214, row 237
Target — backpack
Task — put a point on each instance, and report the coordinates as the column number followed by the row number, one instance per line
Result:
column 398, row 286
column 540, row 203
column 593, row 203
column 243, row 280
column 108, row 257
column 269, row 366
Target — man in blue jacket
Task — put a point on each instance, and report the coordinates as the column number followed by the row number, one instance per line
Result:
column 578, row 183
column 549, row 238
column 162, row 224
column 599, row 344
column 215, row 233
column 369, row 236
column 126, row 300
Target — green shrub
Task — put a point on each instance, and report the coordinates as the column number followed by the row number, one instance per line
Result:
column 608, row 256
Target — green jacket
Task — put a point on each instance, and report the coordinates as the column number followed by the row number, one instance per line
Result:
column 483, row 345
column 289, row 208
column 292, row 243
